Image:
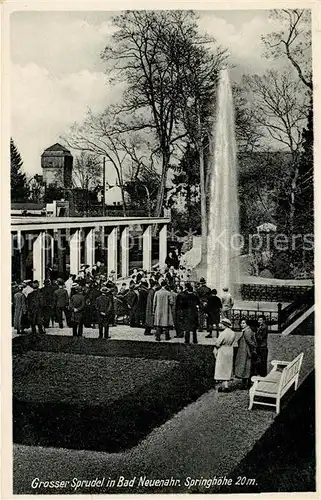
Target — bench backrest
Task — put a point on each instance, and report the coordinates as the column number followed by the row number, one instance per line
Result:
column 289, row 373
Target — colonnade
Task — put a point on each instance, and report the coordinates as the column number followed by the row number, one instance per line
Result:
column 44, row 238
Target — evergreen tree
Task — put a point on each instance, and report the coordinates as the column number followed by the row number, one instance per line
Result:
column 19, row 184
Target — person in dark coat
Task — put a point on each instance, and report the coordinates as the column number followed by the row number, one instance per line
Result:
column 149, row 317
column 262, row 348
column 188, row 305
column 203, row 292
column 77, row 307
column 48, row 291
column 142, row 303
column 35, row 306
column 213, row 311
column 105, row 311
column 179, row 313
column 61, row 302
column 245, row 352
column 20, row 309
column 94, row 294
column 132, row 301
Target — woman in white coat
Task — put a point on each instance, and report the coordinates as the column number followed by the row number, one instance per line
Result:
column 223, row 352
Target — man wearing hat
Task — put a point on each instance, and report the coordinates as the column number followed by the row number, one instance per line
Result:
column 35, row 306
column 202, row 293
column 61, row 301
column 48, row 291
column 105, row 311
column 77, row 306
column 223, row 352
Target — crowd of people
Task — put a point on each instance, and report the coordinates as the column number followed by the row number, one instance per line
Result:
column 160, row 302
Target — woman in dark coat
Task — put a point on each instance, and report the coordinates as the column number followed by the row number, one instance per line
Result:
column 245, row 352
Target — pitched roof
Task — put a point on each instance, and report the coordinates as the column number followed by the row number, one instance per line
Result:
column 57, row 147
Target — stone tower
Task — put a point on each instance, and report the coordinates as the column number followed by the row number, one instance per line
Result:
column 56, row 163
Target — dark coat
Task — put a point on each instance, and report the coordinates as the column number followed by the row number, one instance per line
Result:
column 48, row 296
column 105, row 308
column 187, row 304
column 261, row 336
column 243, row 360
column 35, row 307
column 61, row 298
column 149, row 318
column 77, row 301
column 213, row 309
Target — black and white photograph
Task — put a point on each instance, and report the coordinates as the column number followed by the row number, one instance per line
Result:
column 161, row 297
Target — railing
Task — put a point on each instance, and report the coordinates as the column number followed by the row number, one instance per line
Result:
column 272, row 293
column 271, row 318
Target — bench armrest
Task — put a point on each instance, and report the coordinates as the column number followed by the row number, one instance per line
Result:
column 276, row 363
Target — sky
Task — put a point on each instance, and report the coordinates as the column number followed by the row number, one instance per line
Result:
column 57, row 72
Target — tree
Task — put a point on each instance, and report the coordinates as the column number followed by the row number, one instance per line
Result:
column 36, row 189
column 87, row 171
column 280, row 109
column 292, row 41
column 98, row 135
column 19, row 183
column 151, row 51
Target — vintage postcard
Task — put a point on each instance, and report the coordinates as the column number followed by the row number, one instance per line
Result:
column 159, row 208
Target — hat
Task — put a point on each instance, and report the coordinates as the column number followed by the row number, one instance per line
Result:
column 202, row 280
column 104, row 289
column 60, row 281
column 27, row 282
column 226, row 322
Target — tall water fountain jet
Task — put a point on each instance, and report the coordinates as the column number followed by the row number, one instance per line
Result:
column 223, row 224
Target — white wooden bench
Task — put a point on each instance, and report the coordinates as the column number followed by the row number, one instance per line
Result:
column 276, row 383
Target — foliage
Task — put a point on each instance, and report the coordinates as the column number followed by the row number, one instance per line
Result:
column 36, row 189
column 19, row 183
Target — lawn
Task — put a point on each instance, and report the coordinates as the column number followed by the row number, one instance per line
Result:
column 82, row 379
column 108, row 403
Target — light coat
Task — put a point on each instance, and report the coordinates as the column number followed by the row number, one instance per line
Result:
column 224, row 354
column 162, row 308
column 243, row 360
column 20, row 308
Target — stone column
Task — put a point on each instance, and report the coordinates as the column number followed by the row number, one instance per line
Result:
column 90, row 248
column 162, row 245
column 22, row 249
column 124, row 246
column 147, row 248
column 61, row 252
column 74, row 243
column 49, row 250
column 39, row 258
column 112, row 250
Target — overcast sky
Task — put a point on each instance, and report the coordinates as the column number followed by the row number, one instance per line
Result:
column 57, row 72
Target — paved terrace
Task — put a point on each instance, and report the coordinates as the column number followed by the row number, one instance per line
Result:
column 208, row 437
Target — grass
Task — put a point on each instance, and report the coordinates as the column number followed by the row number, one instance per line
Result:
column 106, row 403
